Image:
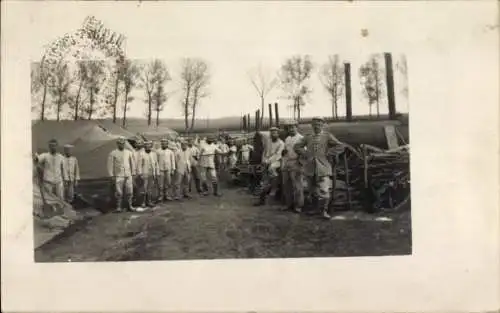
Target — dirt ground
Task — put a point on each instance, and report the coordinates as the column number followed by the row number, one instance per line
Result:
column 227, row 227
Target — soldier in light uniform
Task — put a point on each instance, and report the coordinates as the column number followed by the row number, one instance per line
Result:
column 50, row 167
column 138, row 182
column 122, row 168
column 71, row 173
column 195, row 173
column 245, row 150
column 271, row 162
column 182, row 171
column 207, row 166
column 149, row 173
column 318, row 169
column 292, row 170
column 166, row 167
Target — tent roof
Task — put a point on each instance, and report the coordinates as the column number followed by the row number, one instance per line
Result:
column 114, row 129
column 66, row 132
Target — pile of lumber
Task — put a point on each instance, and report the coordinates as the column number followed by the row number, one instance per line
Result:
column 386, row 176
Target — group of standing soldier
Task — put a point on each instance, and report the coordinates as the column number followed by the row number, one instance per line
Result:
column 300, row 157
column 167, row 173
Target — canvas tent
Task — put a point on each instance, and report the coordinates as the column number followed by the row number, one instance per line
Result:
column 92, row 143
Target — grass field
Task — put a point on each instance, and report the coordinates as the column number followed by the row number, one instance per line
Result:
column 228, row 227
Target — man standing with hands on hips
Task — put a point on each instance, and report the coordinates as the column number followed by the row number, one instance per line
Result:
column 318, row 169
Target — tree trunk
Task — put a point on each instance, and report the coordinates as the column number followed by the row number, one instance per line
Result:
column 186, row 107
column 77, row 100
column 157, row 118
column 193, row 115
column 115, row 100
column 59, row 108
column 44, row 97
column 298, row 110
column 125, row 109
column 150, row 108
column 370, row 106
column 91, row 108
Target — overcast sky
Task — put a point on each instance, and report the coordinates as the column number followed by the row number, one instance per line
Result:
column 234, row 38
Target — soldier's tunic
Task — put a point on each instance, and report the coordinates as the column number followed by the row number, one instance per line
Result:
column 122, row 167
column 71, row 176
column 182, row 172
column 148, row 170
column 272, row 156
column 195, row 172
column 317, row 167
column 292, row 173
column 51, row 167
column 166, row 168
column 245, row 153
column 207, row 162
column 223, row 156
column 233, row 157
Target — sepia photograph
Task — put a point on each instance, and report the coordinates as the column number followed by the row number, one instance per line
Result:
column 250, row 156
column 230, row 155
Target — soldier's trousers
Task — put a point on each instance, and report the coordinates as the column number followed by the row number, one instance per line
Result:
column 181, row 183
column 320, row 187
column 149, row 185
column 293, row 187
column 69, row 191
column 123, row 190
column 56, row 188
column 165, row 184
column 208, row 173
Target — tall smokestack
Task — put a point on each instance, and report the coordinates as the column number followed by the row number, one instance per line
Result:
column 389, row 76
column 270, row 115
column 348, row 98
column 277, row 113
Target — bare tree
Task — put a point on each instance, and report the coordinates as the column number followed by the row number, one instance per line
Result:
column 263, row 83
column 94, row 78
column 372, row 79
column 160, row 97
column 195, row 78
column 39, row 83
column 295, row 74
column 81, row 80
column 152, row 74
column 332, row 77
column 60, row 88
column 129, row 75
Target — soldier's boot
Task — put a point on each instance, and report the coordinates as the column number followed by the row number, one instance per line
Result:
column 198, row 185
column 324, row 206
column 263, row 196
column 215, row 187
column 204, row 189
column 118, row 208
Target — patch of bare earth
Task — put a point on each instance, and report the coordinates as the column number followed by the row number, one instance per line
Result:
column 227, row 227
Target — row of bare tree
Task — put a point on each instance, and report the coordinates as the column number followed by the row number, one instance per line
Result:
column 93, row 88
column 89, row 89
column 295, row 73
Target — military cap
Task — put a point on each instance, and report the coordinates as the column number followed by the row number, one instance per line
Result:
column 274, row 129
column 164, row 140
column 290, row 123
column 53, row 141
column 121, row 139
column 317, row 118
column 68, row 146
